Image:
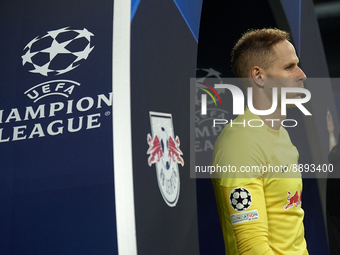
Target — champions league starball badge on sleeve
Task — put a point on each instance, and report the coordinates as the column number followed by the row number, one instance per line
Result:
column 165, row 153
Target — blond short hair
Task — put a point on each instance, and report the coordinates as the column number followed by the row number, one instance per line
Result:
column 255, row 48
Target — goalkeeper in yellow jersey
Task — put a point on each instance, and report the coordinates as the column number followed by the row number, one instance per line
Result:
column 260, row 211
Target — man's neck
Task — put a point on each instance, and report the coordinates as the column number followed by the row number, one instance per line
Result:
column 273, row 120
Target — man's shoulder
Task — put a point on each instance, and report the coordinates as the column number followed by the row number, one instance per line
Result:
column 243, row 145
column 239, row 143
column 241, row 134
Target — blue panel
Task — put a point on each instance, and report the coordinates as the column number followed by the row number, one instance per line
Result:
column 191, row 12
column 292, row 9
column 56, row 187
column 313, row 221
column 134, row 7
column 163, row 58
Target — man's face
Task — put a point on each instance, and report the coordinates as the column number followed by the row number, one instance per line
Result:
column 285, row 70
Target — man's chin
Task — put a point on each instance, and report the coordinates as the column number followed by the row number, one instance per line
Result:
column 291, row 106
column 294, row 97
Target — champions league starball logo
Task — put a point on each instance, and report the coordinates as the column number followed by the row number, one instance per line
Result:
column 240, row 199
column 165, row 153
column 57, row 52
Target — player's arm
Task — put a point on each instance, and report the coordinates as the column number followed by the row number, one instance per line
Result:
column 250, row 221
column 240, row 150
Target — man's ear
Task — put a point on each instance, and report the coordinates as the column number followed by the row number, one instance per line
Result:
column 257, row 75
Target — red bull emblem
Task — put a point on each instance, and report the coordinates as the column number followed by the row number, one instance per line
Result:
column 165, row 154
column 155, row 150
column 293, row 200
column 159, row 149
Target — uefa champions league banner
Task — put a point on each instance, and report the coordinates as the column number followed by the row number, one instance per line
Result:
column 57, row 194
column 56, row 178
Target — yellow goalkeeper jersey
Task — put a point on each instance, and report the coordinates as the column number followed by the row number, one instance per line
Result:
column 258, row 189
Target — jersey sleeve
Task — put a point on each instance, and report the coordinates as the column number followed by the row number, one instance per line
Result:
column 248, row 215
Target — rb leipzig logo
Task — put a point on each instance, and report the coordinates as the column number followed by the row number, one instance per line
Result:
column 165, row 153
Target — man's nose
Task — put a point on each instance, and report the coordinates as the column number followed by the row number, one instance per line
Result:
column 301, row 76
